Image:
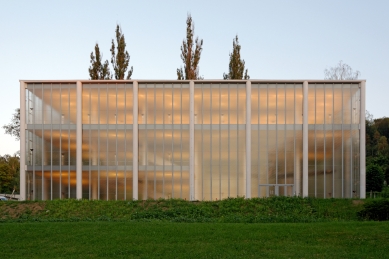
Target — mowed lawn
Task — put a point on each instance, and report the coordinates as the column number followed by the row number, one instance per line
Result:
column 194, row 240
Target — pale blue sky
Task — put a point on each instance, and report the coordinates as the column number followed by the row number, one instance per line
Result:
column 280, row 40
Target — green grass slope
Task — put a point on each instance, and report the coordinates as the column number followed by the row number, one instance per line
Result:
column 237, row 210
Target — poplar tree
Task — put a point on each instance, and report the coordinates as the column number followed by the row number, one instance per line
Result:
column 236, row 67
column 121, row 59
column 97, row 70
column 190, row 54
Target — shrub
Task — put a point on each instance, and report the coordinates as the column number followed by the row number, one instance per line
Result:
column 377, row 209
column 374, row 178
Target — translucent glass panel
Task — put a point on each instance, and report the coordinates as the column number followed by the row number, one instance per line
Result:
column 163, row 104
column 107, row 104
column 107, row 115
column 51, row 104
column 276, row 139
column 333, row 140
column 109, row 153
column 220, row 140
column 163, row 141
column 51, row 140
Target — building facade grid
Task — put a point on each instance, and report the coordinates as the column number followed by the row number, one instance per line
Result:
column 194, row 140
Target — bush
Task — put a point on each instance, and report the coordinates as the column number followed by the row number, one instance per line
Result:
column 374, row 178
column 377, row 209
column 385, row 192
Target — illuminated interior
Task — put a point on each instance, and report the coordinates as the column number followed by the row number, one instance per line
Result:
column 220, row 151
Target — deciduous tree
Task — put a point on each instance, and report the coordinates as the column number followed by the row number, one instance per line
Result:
column 236, row 66
column 13, row 128
column 341, row 72
column 374, row 178
column 98, row 70
column 120, row 57
column 190, row 54
column 9, row 173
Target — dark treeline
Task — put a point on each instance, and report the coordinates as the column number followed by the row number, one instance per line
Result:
column 9, row 173
column 377, row 153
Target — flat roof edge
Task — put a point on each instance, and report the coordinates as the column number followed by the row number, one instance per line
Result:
column 198, row 81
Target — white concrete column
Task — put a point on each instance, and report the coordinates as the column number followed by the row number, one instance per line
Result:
column 135, row 143
column 22, row 186
column 305, row 139
column 248, row 139
column 79, row 142
column 362, row 143
column 191, row 142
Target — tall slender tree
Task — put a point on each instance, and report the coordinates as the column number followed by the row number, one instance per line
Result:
column 98, row 70
column 236, row 67
column 120, row 57
column 190, row 54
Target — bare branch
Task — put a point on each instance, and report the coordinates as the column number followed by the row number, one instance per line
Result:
column 341, row 72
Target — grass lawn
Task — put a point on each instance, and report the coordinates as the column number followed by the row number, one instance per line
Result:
column 194, row 240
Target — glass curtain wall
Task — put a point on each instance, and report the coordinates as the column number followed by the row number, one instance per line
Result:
column 163, row 123
column 333, row 139
column 50, row 141
column 219, row 137
column 220, row 145
column 107, row 117
column 276, row 139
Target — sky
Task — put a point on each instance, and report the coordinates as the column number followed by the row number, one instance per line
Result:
column 280, row 40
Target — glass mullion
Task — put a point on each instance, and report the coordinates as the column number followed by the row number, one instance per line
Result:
column 68, row 122
column 51, row 141
column 98, row 143
column 116, row 142
column 315, row 141
column 210, row 164
column 229, row 141
column 125, row 89
column 155, row 140
column 172, row 143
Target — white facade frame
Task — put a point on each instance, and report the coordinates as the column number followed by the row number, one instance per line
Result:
column 79, row 142
column 305, row 139
column 23, row 166
column 192, row 194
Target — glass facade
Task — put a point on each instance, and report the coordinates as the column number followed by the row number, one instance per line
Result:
column 245, row 133
column 50, row 135
column 107, row 124
column 333, row 137
column 163, row 119
column 276, row 137
column 220, row 124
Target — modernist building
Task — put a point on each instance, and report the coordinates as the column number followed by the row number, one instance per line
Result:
column 195, row 140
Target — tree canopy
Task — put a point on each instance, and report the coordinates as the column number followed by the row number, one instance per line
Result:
column 120, row 58
column 9, row 173
column 13, row 128
column 377, row 150
column 190, row 54
column 341, row 71
column 236, row 66
column 98, row 70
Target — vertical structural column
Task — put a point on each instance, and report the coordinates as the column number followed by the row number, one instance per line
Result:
column 191, row 142
column 305, row 139
column 248, row 139
column 22, row 186
column 135, row 143
column 362, row 143
column 79, row 142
